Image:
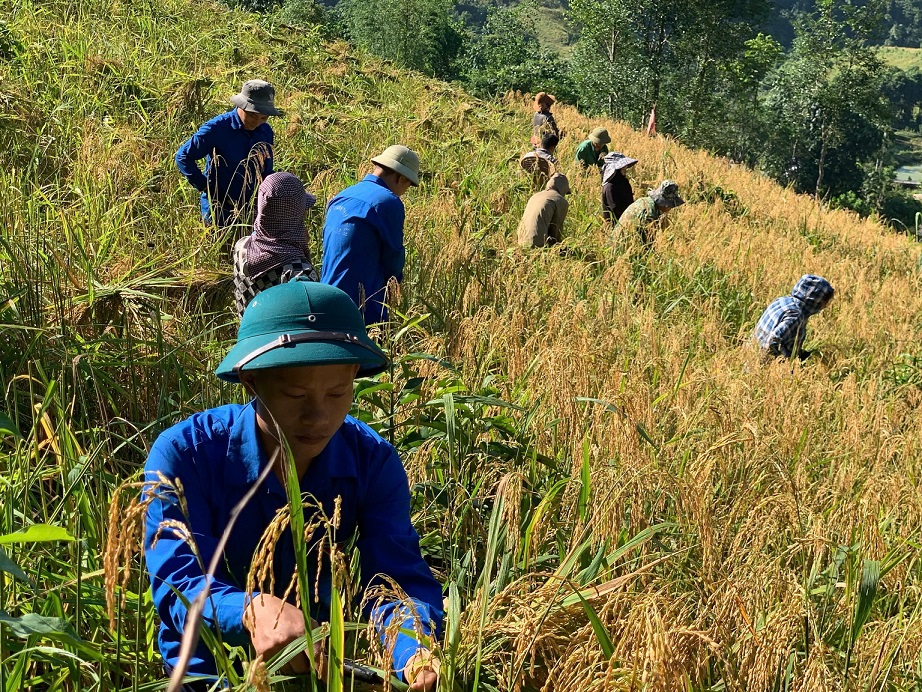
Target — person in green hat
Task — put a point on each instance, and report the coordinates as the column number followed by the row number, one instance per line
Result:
column 299, row 347
column 363, row 232
column 591, row 150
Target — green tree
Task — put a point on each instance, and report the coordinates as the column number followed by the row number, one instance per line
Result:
column 824, row 106
column 603, row 67
column 632, row 55
column 903, row 89
column 904, row 23
column 505, row 55
column 737, row 130
column 420, row 34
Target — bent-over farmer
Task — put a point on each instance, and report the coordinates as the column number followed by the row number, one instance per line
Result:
column 650, row 208
column 782, row 329
column 544, row 216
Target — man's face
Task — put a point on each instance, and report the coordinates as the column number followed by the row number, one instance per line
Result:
column 401, row 186
column 597, row 147
column 251, row 120
column 308, row 404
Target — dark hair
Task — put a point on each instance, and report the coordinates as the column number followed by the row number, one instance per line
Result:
column 549, row 141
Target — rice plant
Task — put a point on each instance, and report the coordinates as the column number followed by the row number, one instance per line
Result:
column 612, row 489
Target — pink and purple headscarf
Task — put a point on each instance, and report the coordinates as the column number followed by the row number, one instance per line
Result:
column 279, row 235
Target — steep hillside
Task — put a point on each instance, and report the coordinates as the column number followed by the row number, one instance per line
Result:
column 588, row 417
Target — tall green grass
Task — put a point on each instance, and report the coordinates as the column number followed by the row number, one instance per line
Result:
column 612, row 490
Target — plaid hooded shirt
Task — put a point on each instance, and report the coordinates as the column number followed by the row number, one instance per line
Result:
column 782, row 329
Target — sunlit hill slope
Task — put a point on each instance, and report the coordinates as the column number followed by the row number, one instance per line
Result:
column 597, row 405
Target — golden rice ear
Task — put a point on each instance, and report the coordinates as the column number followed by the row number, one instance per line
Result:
column 125, row 532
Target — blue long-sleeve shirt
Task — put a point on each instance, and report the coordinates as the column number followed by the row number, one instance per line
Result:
column 217, row 456
column 363, row 243
column 236, row 160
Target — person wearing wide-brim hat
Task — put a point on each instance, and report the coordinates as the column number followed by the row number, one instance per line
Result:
column 238, row 150
column 617, row 193
column 593, row 148
column 363, row 232
column 541, row 162
column 298, row 349
column 543, row 123
column 651, row 208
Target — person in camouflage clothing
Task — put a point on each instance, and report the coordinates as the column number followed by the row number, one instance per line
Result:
column 642, row 213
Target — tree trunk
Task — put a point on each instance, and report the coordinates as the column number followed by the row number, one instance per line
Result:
column 824, row 139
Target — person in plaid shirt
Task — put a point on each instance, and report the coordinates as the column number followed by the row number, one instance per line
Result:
column 276, row 251
column 781, row 331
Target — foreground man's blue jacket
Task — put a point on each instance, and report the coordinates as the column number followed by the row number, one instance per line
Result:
column 217, row 457
column 363, row 243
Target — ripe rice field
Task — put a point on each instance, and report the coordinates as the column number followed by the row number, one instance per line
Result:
column 614, row 491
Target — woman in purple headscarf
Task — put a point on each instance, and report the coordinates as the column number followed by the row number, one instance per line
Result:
column 276, row 251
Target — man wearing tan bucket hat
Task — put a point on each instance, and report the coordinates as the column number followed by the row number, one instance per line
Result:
column 238, row 148
column 363, row 232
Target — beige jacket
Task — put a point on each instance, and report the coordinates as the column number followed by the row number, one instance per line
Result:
column 542, row 222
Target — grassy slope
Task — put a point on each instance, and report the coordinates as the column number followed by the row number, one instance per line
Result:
column 903, row 58
column 761, row 473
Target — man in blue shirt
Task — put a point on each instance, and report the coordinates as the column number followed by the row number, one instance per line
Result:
column 782, row 329
column 299, row 346
column 238, row 148
column 363, row 232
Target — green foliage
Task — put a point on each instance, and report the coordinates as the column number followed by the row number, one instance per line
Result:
column 903, row 89
column 37, row 533
column 311, row 13
column 824, row 111
column 602, row 65
column 631, row 56
column 506, row 55
column 419, row 34
column 904, row 23
column 114, row 309
column 902, row 209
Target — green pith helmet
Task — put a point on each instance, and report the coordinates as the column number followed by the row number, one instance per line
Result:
column 301, row 323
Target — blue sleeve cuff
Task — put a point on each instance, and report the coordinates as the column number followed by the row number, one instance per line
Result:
column 228, row 616
column 405, row 645
column 404, row 648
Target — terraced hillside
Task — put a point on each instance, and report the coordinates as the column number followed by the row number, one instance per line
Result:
column 584, row 420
